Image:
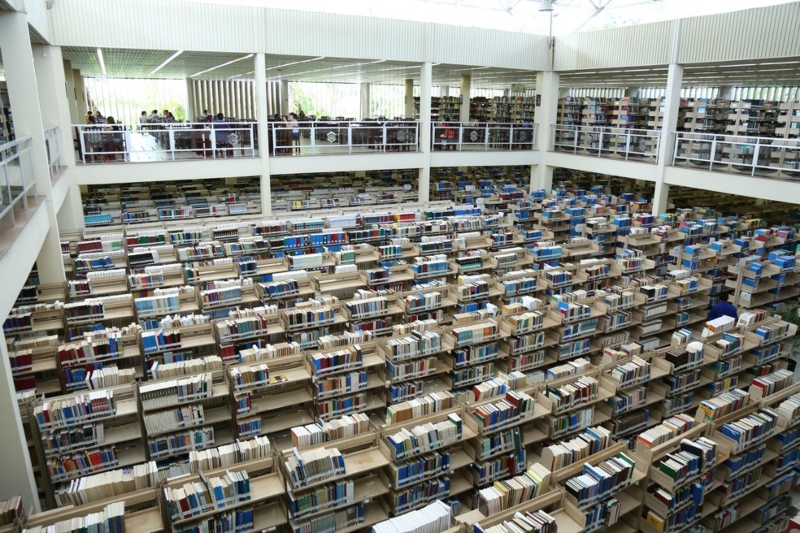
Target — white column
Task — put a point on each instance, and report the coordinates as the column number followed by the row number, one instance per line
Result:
column 23, row 92
column 726, row 93
column 666, row 145
column 284, row 97
column 191, row 112
column 53, row 97
column 545, row 119
column 426, row 75
column 72, row 99
column 70, row 217
column 410, row 99
column 261, row 116
column 15, row 462
column 80, row 95
column 365, row 101
column 466, row 86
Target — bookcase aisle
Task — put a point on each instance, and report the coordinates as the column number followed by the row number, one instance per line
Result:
column 332, row 373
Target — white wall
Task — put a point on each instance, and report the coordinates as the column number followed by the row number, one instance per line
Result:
column 38, row 18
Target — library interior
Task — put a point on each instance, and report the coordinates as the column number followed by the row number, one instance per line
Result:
column 484, row 266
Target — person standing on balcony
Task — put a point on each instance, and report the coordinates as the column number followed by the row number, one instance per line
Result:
column 143, row 118
column 154, row 116
column 295, row 127
column 221, row 134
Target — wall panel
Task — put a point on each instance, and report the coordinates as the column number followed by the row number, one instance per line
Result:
column 646, row 44
column 749, row 34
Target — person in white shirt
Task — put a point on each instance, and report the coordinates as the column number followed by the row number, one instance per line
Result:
column 143, row 118
column 154, row 116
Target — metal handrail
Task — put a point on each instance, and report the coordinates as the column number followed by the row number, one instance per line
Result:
column 737, row 152
column 183, row 140
column 607, row 141
column 489, row 136
column 16, row 170
column 338, row 137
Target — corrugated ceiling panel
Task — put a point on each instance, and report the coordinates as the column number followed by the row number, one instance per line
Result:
column 474, row 46
column 750, row 34
column 156, row 24
column 646, row 44
column 315, row 34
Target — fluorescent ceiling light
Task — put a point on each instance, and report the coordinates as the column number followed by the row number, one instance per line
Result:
column 222, row 65
column 296, row 63
column 167, row 62
column 245, row 74
column 102, row 63
column 379, row 61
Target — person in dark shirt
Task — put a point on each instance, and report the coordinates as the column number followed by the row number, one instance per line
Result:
column 723, row 308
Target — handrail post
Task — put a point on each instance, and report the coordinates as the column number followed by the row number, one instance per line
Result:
column 675, row 148
column 600, row 143
column 712, row 153
column 350, row 138
column 755, row 157
column 460, row 136
column 213, row 142
column 172, row 142
column 511, row 137
column 486, row 139
column 627, row 145
column 575, row 141
column 385, row 137
column 82, row 143
column 313, row 139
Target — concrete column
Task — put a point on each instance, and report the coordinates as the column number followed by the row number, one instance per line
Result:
column 545, row 119
column 15, row 462
column 284, row 97
column 365, row 101
column 672, row 102
column 53, row 100
column 466, row 85
column 70, row 217
column 23, row 92
column 410, row 99
column 726, row 93
column 191, row 112
column 72, row 97
column 263, row 131
column 426, row 76
column 80, row 95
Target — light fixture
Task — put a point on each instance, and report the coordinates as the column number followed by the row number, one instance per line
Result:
column 166, row 62
column 222, row 65
column 295, row 63
column 379, row 61
column 546, row 5
column 102, row 63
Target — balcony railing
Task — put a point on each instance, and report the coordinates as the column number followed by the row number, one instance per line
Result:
column 346, row 137
column 483, row 136
column 757, row 156
column 602, row 141
column 52, row 143
column 106, row 143
column 16, row 176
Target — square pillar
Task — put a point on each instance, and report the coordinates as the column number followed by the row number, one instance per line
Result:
column 262, row 110
column 284, row 97
column 666, row 145
column 545, row 120
column 466, row 85
column 426, row 75
column 410, row 99
column 53, row 97
column 79, row 95
column 364, row 108
column 23, row 92
column 191, row 112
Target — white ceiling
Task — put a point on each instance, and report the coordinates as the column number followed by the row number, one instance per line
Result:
column 140, row 63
